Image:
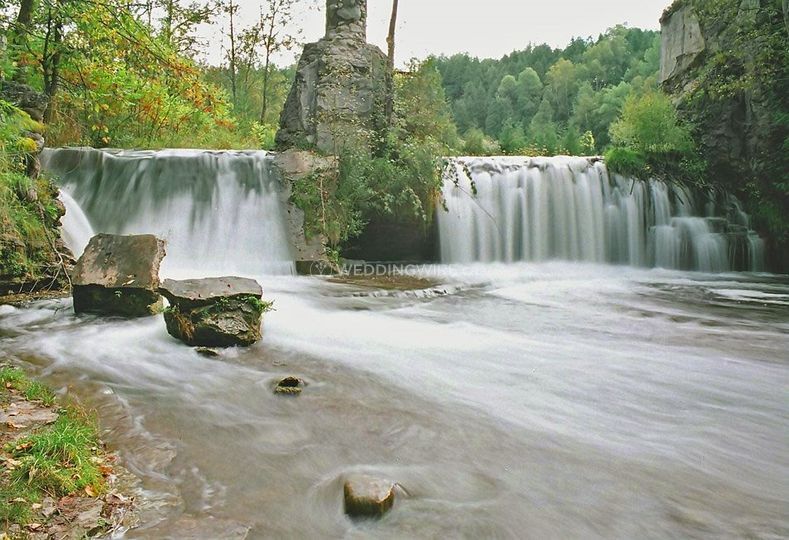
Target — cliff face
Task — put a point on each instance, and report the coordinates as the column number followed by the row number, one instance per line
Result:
column 725, row 63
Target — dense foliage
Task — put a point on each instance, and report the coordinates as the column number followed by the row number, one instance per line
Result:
column 649, row 141
column 121, row 74
column 546, row 101
column 397, row 178
column 28, row 208
column 736, row 100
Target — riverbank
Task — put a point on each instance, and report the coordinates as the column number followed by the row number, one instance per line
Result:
column 9, row 296
column 57, row 479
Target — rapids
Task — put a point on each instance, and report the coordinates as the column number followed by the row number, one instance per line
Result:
column 551, row 400
column 540, row 399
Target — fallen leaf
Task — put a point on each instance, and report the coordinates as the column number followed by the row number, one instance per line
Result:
column 89, row 491
column 36, row 506
column 34, row 526
column 14, row 426
column 19, row 500
column 8, row 385
column 24, row 446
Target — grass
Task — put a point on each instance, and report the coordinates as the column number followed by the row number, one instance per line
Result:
column 56, row 460
column 60, row 460
column 32, row 390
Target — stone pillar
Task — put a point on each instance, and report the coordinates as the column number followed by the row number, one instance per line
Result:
column 346, row 17
column 340, row 88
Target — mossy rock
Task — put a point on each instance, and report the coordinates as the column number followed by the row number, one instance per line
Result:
column 214, row 312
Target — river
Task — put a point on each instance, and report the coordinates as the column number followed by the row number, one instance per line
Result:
column 523, row 400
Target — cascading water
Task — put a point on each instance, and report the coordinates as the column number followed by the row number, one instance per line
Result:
column 220, row 212
column 568, row 208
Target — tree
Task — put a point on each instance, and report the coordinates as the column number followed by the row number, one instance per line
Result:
column 232, row 54
column 512, row 138
column 390, row 42
column 529, row 94
column 649, row 124
column 543, row 131
column 20, row 30
column 180, row 21
column 562, row 85
column 274, row 37
column 421, row 106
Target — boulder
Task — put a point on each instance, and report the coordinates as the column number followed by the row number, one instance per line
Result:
column 119, row 275
column 368, row 496
column 214, row 312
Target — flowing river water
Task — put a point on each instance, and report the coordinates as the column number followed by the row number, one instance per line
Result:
column 513, row 400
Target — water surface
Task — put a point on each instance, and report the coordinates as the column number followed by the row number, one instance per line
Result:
column 551, row 400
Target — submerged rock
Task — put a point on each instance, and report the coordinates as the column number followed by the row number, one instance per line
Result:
column 119, row 275
column 289, row 386
column 214, row 312
column 368, row 496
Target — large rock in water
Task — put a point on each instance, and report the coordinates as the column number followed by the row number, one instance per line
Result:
column 119, row 275
column 340, row 86
column 367, row 496
column 214, row 312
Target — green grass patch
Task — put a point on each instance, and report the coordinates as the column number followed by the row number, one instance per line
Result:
column 61, row 459
column 32, row 390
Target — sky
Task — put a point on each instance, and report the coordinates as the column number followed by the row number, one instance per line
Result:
column 483, row 28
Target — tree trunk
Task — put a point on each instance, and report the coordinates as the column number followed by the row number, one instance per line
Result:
column 231, row 10
column 20, row 31
column 269, row 45
column 265, row 90
column 50, row 61
column 390, row 42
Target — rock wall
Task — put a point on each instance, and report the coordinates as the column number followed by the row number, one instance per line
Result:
column 682, row 43
column 725, row 64
column 340, row 87
column 292, row 165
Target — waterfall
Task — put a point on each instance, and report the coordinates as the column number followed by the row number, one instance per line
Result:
column 220, row 212
column 570, row 208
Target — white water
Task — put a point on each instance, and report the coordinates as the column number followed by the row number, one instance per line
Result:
column 535, row 400
column 76, row 229
column 532, row 400
column 567, row 208
column 218, row 211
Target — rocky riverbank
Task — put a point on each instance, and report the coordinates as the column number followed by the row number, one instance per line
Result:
column 57, row 480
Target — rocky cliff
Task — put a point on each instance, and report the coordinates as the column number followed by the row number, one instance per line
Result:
column 725, row 62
